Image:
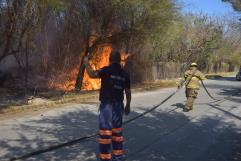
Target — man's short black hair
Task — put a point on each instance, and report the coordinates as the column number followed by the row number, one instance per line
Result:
column 115, row 57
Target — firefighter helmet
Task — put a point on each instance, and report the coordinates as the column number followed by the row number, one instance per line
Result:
column 194, row 64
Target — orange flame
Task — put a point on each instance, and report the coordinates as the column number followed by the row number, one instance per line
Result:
column 98, row 62
column 67, row 80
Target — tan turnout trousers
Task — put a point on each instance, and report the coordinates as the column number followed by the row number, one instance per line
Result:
column 191, row 94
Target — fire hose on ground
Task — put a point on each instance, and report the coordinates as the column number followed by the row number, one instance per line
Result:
column 72, row 142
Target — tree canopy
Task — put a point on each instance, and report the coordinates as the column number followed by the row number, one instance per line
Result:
column 56, row 34
column 235, row 3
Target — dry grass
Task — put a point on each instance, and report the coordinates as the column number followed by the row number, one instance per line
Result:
column 219, row 75
column 53, row 99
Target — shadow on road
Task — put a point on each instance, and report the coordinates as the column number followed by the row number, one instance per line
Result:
column 39, row 134
column 231, row 90
column 225, row 111
column 179, row 105
column 155, row 137
column 232, row 94
column 173, row 136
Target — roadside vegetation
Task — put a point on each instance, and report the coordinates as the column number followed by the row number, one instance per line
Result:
column 42, row 42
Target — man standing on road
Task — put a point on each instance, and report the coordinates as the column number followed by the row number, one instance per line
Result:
column 191, row 78
column 114, row 81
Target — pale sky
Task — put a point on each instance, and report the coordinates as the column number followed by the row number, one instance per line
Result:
column 209, row 7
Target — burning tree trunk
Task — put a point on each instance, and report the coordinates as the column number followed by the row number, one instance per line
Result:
column 92, row 44
column 86, row 36
column 80, row 76
column 26, row 66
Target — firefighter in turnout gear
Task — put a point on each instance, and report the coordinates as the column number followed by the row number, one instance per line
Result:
column 191, row 79
column 114, row 83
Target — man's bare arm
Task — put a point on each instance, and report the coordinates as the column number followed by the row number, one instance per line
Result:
column 92, row 73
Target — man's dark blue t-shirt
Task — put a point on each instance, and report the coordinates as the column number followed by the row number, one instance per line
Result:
column 113, row 82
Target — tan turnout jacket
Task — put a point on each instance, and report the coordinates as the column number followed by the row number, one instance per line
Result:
column 194, row 82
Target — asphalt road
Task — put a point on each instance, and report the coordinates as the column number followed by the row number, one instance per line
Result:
column 211, row 132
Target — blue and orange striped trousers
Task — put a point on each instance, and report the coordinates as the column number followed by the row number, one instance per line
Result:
column 110, row 131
